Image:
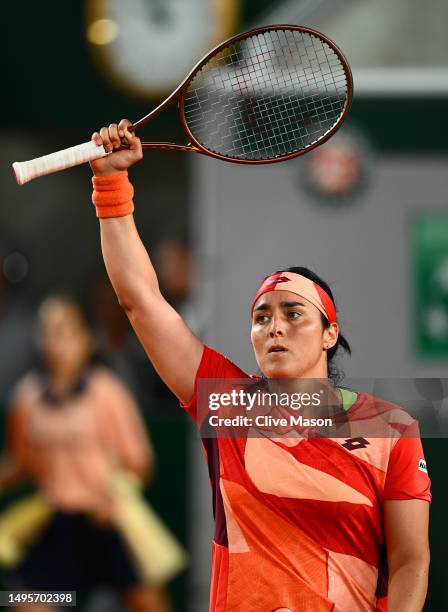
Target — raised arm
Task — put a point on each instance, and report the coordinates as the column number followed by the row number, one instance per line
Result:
column 171, row 346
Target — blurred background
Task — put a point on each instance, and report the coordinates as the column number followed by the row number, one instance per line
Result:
column 368, row 211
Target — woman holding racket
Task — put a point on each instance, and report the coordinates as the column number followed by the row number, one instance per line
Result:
column 302, row 525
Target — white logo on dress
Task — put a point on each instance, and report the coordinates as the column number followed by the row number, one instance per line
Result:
column 422, row 466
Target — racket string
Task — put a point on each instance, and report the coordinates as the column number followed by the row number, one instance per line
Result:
column 267, row 96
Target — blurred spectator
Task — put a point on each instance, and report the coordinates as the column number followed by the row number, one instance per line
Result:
column 74, row 430
column 173, row 261
column 174, row 266
column 16, row 319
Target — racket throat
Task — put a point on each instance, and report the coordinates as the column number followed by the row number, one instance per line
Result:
column 170, row 146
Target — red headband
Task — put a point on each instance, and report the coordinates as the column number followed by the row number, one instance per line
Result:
column 300, row 285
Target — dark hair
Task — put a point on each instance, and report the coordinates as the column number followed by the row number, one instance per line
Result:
column 335, row 374
column 71, row 300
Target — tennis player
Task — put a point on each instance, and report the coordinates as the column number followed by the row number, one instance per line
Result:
column 311, row 524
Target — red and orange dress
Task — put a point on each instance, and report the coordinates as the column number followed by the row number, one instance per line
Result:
column 298, row 522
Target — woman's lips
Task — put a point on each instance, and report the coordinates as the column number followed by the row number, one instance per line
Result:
column 277, row 349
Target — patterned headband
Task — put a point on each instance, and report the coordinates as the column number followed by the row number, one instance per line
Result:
column 306, row 288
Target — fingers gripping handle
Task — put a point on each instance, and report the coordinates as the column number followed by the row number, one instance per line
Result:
column 73, row 156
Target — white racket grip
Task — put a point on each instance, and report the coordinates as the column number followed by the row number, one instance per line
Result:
column 67, row 158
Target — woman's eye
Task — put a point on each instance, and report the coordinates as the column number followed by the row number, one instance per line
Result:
column 293, row 314
column 261, row 318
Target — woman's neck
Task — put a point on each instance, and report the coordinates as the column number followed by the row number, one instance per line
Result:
column 62, row 382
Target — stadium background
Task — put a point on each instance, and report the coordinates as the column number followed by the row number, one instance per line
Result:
column 368, row 245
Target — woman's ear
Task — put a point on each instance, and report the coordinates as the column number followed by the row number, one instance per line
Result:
column 330, row 336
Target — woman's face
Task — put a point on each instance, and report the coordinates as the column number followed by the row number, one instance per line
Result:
column 65, row 341
column 288, row 337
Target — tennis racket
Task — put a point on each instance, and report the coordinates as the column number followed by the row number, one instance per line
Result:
column 260, row 97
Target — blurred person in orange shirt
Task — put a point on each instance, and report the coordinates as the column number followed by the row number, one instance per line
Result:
column 71, row 427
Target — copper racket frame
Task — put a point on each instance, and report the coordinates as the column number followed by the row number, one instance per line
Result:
column 179, row 95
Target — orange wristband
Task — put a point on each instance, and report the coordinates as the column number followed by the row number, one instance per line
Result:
column 112, row 195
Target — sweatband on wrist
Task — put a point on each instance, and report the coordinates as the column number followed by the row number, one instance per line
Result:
column 112, row 195
column 300, row 285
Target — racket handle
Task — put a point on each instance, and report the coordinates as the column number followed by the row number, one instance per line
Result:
column 67, row 158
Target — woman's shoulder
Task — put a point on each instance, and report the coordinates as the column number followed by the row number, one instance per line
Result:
column 28, row 389
column 216, row 365
column 387, row 412
column 102, row 379
column 100, row 374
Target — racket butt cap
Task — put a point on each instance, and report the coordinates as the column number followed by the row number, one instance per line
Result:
column 16, row 170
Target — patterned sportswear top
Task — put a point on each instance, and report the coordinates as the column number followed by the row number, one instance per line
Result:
column 298, row 521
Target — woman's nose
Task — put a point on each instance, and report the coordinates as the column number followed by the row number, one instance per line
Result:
column 276, row 328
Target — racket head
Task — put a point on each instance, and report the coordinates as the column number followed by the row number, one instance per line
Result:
column 232, row 106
